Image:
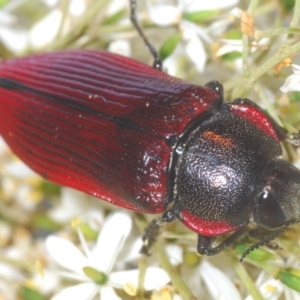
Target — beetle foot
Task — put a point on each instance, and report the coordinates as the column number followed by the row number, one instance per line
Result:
column 149, row 237
column 294, row 139
column 168, row 216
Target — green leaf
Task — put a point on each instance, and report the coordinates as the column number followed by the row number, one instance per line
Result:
column 115, row 17
column 294, row 96
column 42, row 221
column 169, row 45
column 295, row 272
column 231, row 56
column 289, row 279
column 27, row 293
column 259, row 254
column 287, row 5
column 88, row 232
column 95, row 275
column 235, row 34
column 3, row 2
column 201, row 16
column 191, row 259
column 50, row 188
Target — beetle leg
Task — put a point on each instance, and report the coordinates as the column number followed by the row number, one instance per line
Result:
column 294, row 138
column 205, row 243
column 152, row 230
column 149, row 237
column 157, row 64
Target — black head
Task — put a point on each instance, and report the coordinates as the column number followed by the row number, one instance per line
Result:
column 277, row 199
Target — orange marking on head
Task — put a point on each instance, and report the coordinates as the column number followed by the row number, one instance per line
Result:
column 218, row 139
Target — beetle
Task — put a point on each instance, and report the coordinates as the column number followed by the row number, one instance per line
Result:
column 138, row 138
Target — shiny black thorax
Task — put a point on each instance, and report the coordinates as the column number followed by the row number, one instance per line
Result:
column 220, row 166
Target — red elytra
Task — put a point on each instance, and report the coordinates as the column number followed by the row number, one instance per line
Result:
column 98, row 122
column 141, row 139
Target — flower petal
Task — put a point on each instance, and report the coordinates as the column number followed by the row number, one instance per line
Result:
column 218, row 284
column 155, row 278
column 44, row 31
column 175, row 253
column 115, row 6
column 109, row 293
column 291, row 84
column 47, row 283
column 14, row 39
column 196, row 52
column 110, row 241
column 76, row 204
column 296, row 69
column 290, row 294
column 171, row 62
column 77, row 8
column 83, row 291
column 66, row 254
column 164, row 15
column 269, row 287
column 10, row 273
column 193, row 6
column 121, row 47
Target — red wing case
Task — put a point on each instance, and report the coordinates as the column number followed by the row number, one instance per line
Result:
column 98, row 122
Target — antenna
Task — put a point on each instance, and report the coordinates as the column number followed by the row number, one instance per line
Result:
column 157, row 64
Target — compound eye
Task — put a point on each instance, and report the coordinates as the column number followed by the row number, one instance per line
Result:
column 270, row 213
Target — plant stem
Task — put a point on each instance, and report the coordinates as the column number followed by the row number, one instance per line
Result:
column 296, row 15
column 177, row 281
column 247, row 281
column 245, row 84
column 258, row 35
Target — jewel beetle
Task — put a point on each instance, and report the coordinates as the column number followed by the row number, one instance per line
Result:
column 138, row 138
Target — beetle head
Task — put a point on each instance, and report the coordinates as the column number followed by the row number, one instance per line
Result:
column 277, row 199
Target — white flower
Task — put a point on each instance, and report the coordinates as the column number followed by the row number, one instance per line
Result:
column 193, row 35
column 75, row 203
column 274, row 289
column 19, row 182
column 11, row 35
column 95, row 268
column 218, row 283
column 292, row 83
column 230, row 45
column 269, row 288
column 45, row 30
column 121, row 47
